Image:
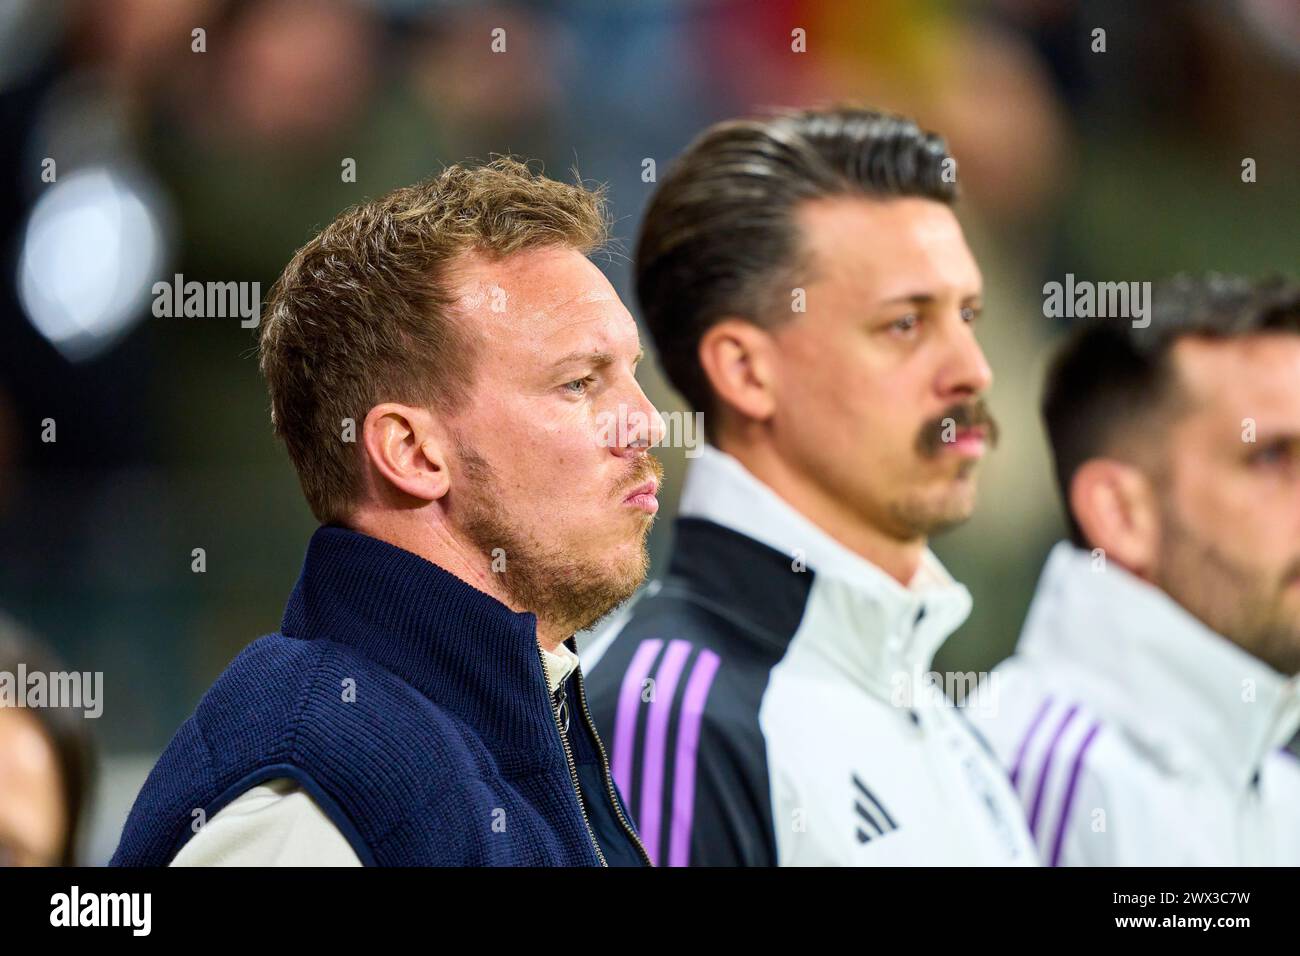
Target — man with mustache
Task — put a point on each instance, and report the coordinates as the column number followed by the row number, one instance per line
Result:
column 441, row 363
column 1144, row 715
column 810, row 290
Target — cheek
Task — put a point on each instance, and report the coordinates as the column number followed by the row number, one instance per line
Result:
column 834, row 392
column 849, row 431
column 1197, row 499
column 1227, row 509
column 558, row 453
column 1264, row 521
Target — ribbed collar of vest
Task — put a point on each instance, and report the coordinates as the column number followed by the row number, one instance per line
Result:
column 459, row 647
column 872, row 627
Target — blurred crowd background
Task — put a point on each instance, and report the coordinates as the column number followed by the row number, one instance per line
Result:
column 1116, row 165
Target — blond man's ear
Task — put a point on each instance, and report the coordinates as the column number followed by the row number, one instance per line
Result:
column 404, row 451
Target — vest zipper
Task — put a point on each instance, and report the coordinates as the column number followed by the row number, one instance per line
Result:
column 568, row 756
column 608, row 777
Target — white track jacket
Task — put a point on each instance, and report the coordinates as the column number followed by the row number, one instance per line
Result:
column 1137, row 736
column 767, row 702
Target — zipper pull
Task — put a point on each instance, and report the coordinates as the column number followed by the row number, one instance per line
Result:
column 562, row 708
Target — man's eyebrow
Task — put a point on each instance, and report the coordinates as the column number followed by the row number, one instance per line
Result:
column 596, row 359
column 1272, row 435
column 926, row 298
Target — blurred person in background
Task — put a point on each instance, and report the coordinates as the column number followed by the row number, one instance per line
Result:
column 809, row 289
column 46, row 765
column 439, row 362
column 1144, row 713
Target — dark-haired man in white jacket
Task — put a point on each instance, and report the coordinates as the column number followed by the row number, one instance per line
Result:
column 1145, row 715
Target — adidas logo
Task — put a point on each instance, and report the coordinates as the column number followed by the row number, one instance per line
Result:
column 873, row 819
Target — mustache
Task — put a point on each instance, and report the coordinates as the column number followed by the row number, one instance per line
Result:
column 929, row 440
column 649, row 468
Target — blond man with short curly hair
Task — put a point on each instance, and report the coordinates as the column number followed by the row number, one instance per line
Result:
column 443, row 364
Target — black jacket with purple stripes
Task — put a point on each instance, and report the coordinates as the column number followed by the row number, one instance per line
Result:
column 660, row 698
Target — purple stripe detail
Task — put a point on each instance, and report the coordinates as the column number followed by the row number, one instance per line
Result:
column 1047, row 767
column 1029, row 735
column 656, row 743
column 688, row 739
column 629, row 700
column 1069, row 793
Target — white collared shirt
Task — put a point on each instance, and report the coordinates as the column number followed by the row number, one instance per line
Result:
column 1138, row 736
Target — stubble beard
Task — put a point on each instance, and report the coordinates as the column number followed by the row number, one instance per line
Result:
column 1230, row 598
column 925, row 515
column 569, row 594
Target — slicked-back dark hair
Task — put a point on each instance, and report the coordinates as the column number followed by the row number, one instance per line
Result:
column 719, row 238
column 1109, row 376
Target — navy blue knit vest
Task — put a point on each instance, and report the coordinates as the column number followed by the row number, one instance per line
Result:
column 415, row 711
